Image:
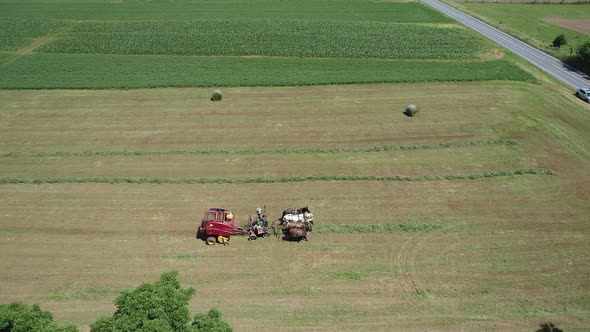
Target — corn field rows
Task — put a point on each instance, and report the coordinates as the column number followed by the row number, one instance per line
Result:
column 15, row 33
column 341, row 10
column 283, row 38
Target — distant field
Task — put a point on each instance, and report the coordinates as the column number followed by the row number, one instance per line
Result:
column 194, row 10
column 468, row 253
column 97, row 45
column 529, row 22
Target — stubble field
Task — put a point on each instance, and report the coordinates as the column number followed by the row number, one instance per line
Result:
column 474, row 215
column 498, row 252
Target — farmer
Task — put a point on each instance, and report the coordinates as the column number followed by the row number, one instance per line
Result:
column 261, row 219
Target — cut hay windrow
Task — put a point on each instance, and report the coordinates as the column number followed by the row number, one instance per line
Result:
column 384, row 148
column 379, row 228
column 286, row 179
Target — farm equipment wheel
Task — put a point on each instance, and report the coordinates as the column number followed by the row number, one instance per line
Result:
column 265, row 235
column 210, row 240
column 198, row 234
column 252, row 237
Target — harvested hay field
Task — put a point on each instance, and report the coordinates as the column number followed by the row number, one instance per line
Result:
column 477, row 254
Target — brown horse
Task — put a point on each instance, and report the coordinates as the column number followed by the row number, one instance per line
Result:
column 297, row 234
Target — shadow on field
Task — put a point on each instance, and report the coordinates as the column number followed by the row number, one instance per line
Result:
column 549, row 327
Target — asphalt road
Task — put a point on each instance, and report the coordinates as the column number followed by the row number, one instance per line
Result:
column 549, row 64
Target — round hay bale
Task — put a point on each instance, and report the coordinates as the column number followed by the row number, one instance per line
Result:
column 411, row 110
column 216, row 96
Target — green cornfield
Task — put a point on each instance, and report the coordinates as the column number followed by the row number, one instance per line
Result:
column 285, row 38
column 15, row 33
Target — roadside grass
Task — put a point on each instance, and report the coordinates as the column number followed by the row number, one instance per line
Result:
column 525, row 21
column 47, row 71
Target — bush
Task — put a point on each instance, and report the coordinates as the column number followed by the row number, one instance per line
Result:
column 210, row 322
column 20, row 317
column 581, row 60
column 559, row 40
column 584, row 52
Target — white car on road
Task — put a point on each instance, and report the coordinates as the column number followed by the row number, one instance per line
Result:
column 583, row 94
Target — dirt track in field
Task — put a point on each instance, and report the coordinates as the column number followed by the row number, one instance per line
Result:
column 514, row 255
column 578, row 25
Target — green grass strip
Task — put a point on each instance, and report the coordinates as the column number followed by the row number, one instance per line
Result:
column 260, row 151
column 321, row 228
column 285, row 179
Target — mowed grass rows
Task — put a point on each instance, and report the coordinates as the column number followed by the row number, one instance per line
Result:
column 116, row 236
column 427, row 162
column 285, row 38
column 386, row 250
column 257, row 120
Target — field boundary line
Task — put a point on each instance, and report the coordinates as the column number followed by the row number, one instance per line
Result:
column 336, row 178
column 385, row 148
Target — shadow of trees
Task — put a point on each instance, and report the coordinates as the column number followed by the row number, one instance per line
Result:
column 549, row 327
column 577, row 62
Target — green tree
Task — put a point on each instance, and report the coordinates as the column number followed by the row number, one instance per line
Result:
column 584, row 52
column 210, row 322
column 20, row 317
column 152, row 307
column 559, row 40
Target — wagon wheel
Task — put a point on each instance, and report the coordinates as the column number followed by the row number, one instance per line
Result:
column 210, row 240
column 252, row 237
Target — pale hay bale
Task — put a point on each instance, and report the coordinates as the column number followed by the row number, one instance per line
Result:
column 216, row 96
column 411, row 110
